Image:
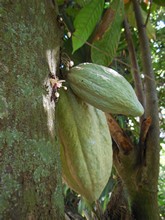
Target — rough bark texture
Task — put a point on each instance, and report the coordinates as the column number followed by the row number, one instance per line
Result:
column 29, row 155
column 140, row 168
column 152, row 147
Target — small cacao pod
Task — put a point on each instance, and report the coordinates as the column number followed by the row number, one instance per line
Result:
column 86, row 147
column 105, row 89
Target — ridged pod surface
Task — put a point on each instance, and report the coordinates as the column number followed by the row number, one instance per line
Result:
column 86, row 147
column 105, row 89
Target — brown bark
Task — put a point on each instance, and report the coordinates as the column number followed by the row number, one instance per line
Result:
column 140, row 168
column 134, row 65
column 140, row 183
column 121, row 139
column 145, row 125
column 149, row 179
column 104, row 24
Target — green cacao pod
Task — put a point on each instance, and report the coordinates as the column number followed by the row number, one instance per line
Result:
column 105, row 89
column 86, row 147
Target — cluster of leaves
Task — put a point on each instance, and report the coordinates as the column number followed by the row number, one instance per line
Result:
column 91, row 26
column 98, row 36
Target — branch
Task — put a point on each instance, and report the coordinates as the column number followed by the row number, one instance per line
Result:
column 152, row 142
column 106, row 20
column 149, row 12
column 151, row 95
column 123, row 142
column 134, row 64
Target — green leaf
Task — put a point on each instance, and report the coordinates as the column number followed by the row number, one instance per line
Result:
column 107, row 37
column 82, row 3
column 131, row 18
column 85, row 22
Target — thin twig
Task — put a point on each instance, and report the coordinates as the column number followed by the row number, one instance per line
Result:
column 148, row 15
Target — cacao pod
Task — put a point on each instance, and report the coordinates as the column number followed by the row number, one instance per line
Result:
column 86, row 147
column 105, row 89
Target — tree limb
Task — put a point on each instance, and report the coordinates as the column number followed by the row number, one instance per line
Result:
column 134, row 64
column 152, row 141
column 149, row 12
column 104, row 24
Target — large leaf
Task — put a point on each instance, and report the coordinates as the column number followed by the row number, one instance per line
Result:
column 131, row 18
column 86, row 21
column 107, row 37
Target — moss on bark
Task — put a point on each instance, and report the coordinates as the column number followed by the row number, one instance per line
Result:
column 29, row 156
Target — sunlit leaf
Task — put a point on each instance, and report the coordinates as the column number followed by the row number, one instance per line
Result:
column 85, row 22
column 107, row 37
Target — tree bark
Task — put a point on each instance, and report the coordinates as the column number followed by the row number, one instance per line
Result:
column 152, row 146
column 30, row 170
column 134, row 64
column 140, row 175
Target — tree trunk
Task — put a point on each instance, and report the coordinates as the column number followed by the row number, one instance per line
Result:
column 30, row 172
column 139, row 169
column 150, row 169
